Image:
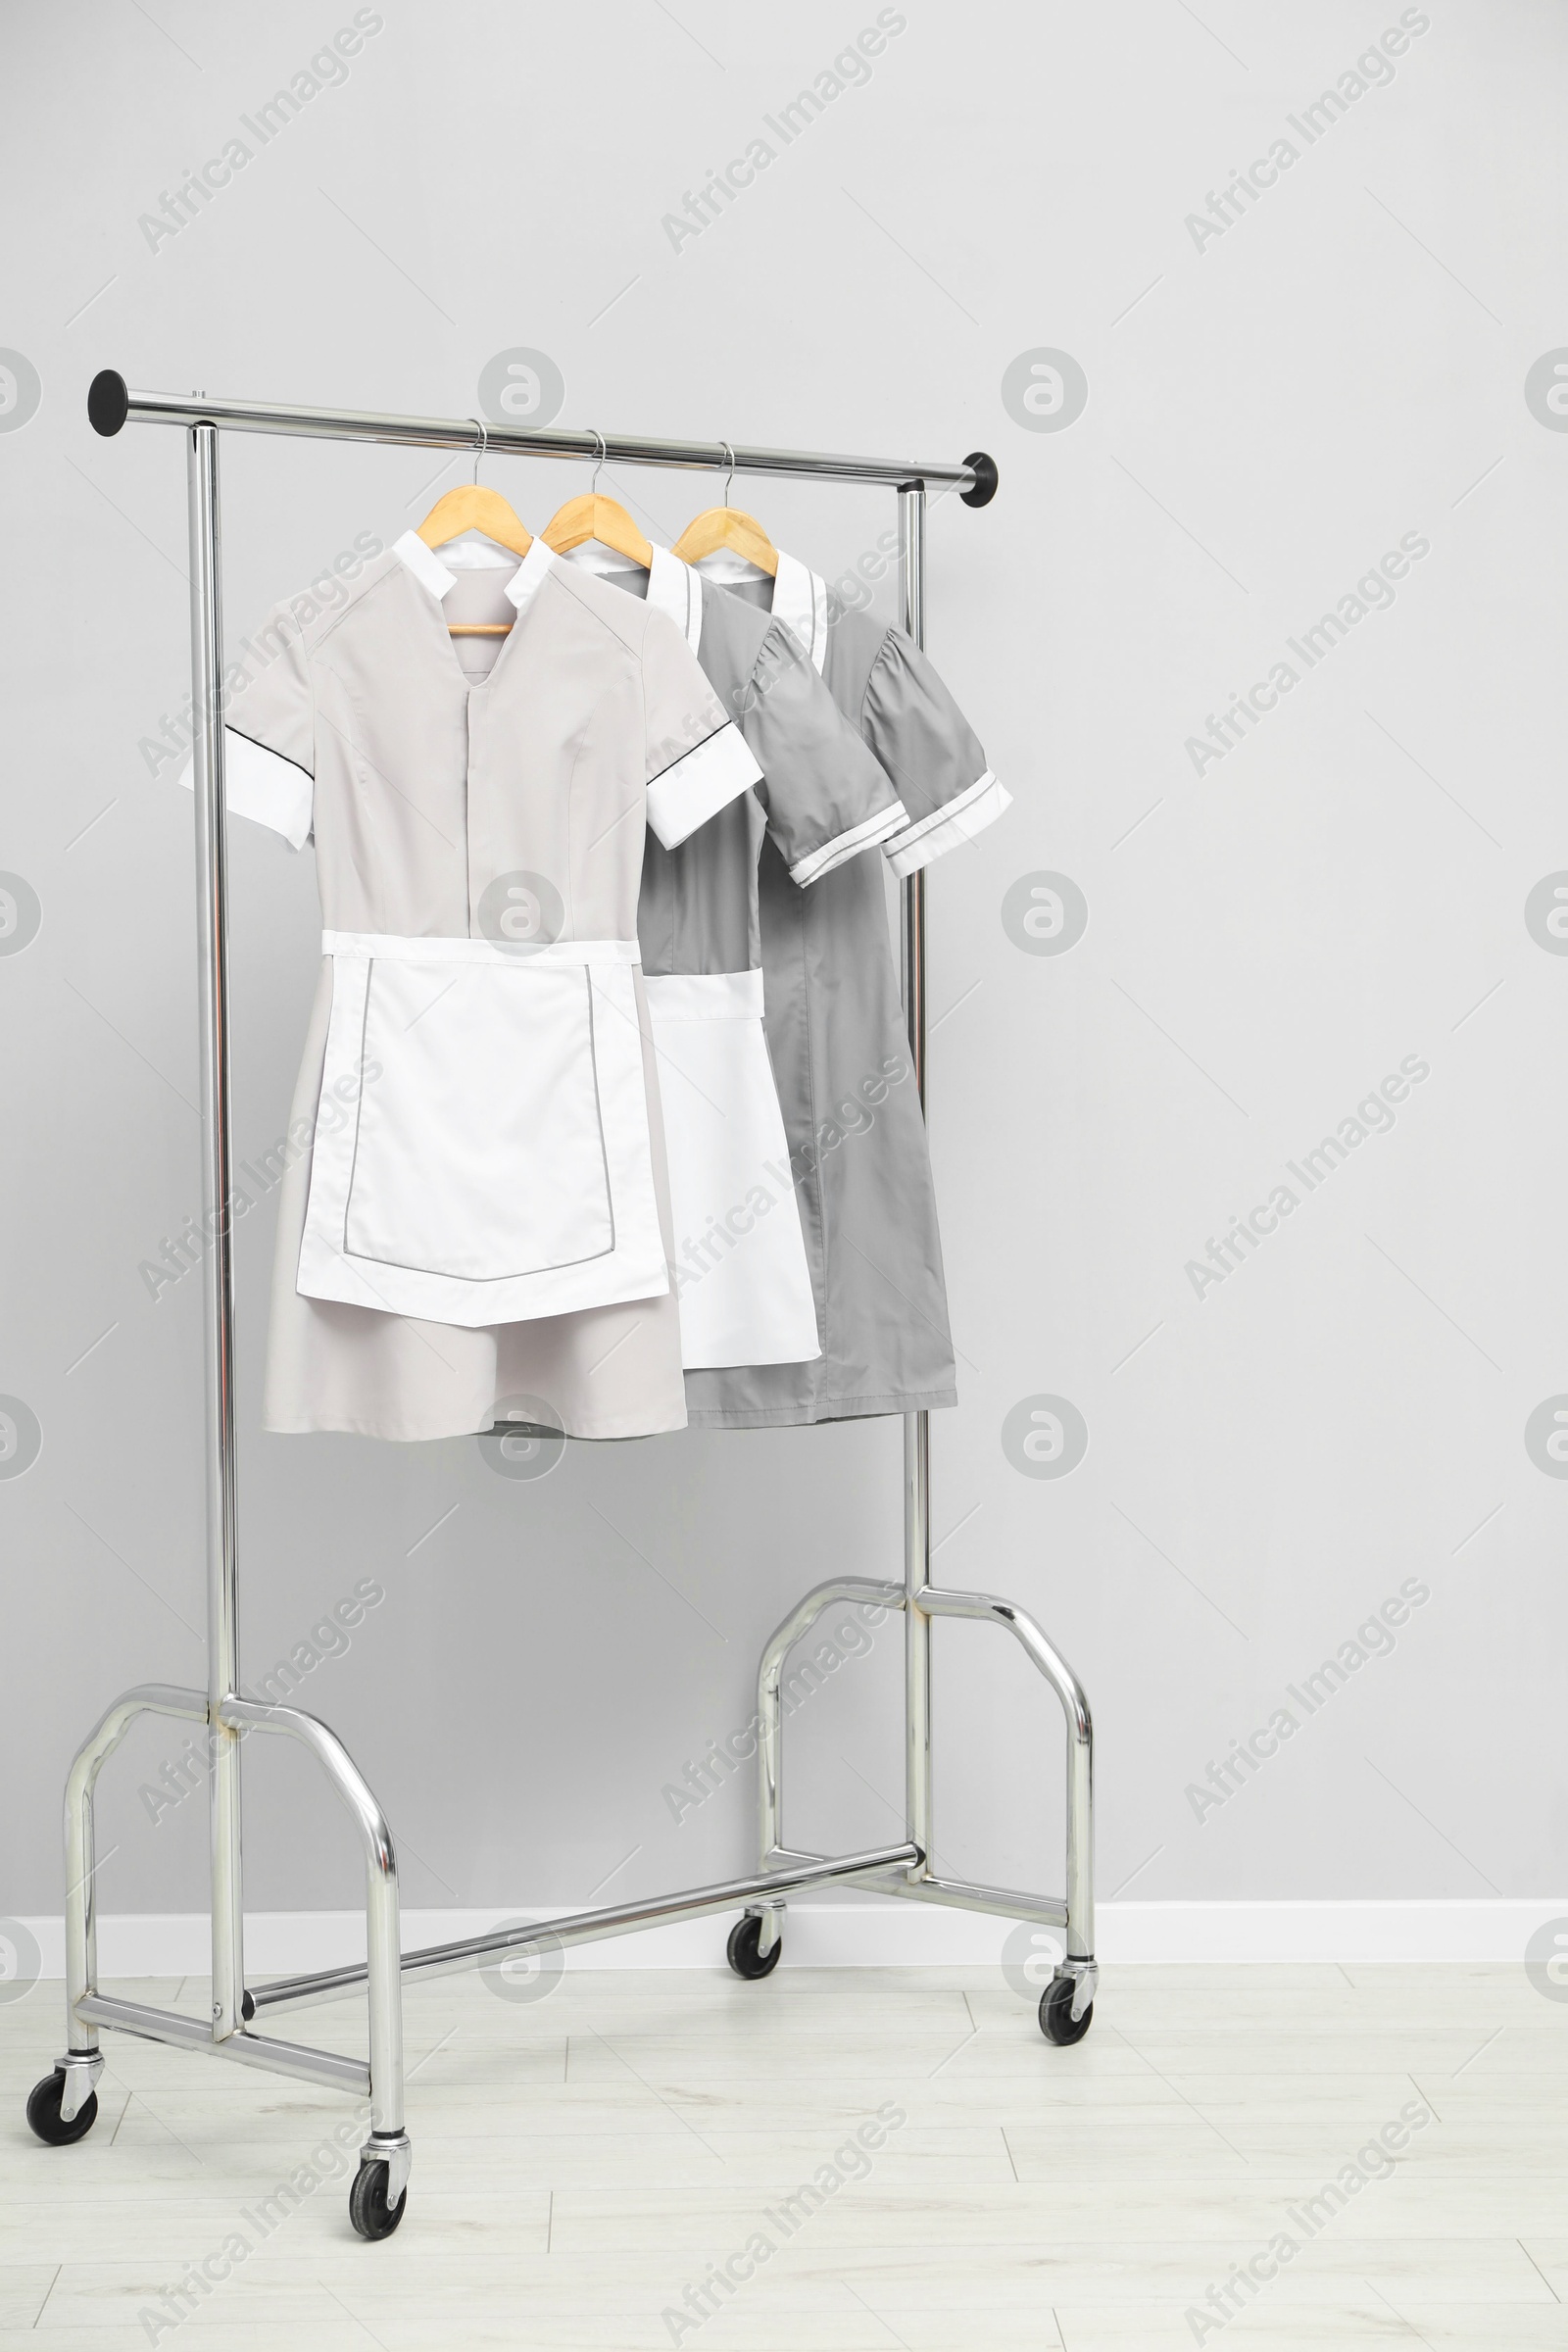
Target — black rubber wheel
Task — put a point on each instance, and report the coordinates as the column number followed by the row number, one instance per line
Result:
column 1057, row 2022
column 373, row 2217
column 44, row 2116
column 742, row 1951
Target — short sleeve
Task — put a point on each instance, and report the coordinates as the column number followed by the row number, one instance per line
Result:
column 697, row 756
column 826, row 798
column 932, row 754
column 269, row 731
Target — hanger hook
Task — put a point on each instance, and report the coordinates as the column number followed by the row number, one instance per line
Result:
column 729, row 478
column 599, row 462
column 484, row 448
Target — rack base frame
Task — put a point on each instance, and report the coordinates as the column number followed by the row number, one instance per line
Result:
column 63, row 2105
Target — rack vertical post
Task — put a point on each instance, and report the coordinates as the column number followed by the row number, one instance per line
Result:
column 916, row 1426
column 217, row 1263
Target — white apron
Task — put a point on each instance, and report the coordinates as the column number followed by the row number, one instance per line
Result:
column 742, row 1275
column 497, row 1164
column 741, row 1270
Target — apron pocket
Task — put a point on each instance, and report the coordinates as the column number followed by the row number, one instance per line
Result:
column 479, row 1151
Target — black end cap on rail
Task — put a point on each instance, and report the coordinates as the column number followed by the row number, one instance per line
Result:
column 984, row 487
column 109, row 403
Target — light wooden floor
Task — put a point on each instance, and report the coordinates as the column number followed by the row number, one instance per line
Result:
column 578, row 2161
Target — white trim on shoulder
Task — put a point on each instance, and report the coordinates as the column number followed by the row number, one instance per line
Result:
column 800, row 602
column 848, row 845
column 702, row 781
column 529, row 576
column 264, row 786
column 959, row 819
column 426, row 566
column 676, row 589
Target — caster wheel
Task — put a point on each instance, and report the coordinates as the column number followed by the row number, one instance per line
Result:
column 1057, row 2022
column 45, row 2118
column 742, row 1951
column 373, row 2217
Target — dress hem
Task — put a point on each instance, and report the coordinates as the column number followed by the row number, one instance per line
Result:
column 833, row 1408
column 434, row 1437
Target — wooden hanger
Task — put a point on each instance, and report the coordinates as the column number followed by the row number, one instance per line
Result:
column 728, row 526
column 592, row 518
column 475, row 506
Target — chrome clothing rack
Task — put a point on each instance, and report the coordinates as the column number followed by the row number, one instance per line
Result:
column 63, row 2105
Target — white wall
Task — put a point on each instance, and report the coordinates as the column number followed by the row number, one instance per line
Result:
column 1269, row 411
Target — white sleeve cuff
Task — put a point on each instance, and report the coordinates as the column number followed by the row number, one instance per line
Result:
column 957, row 819
column 701, row 782
column 878, row 828
column 262, row 785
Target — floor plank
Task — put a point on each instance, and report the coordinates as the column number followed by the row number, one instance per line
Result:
column 880, row 2158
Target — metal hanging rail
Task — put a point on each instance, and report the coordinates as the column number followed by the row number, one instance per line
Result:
column 111, row 405
column 63, row 2105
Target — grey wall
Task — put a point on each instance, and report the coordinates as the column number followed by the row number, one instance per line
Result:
column 1270, row 411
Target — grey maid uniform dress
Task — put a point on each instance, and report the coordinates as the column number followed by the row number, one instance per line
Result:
column 481, row 1212
column 838, row 1042
column 744, row 1278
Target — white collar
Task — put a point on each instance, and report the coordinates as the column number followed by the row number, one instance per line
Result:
column 799, row 596
column 425, row 565
column 432, row 574
column 675, row 588
column 529, row 576
column 800, row 602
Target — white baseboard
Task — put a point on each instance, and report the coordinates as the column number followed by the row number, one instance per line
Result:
column 1420, row 1930
column 858, row 1933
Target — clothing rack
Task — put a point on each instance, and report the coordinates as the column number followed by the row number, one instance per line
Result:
column 63, row 2105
